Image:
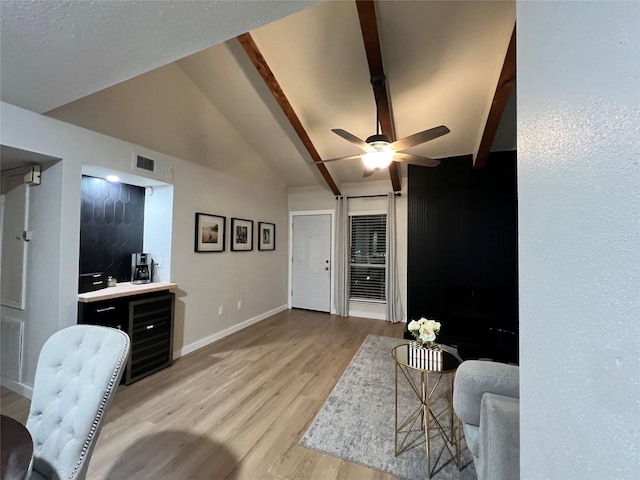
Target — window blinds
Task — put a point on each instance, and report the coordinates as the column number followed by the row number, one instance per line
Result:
column 367, row 257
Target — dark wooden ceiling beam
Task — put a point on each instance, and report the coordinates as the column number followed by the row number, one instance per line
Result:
column 371, row 38
column 250, row 47
column 500, row 98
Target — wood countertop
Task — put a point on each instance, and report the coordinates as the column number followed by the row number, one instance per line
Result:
column 125, row 289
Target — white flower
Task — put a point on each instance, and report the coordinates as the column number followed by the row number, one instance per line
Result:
column 413, row 325
column 427, row 334
column 424, row 329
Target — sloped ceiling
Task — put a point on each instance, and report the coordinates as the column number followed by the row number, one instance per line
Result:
column 442, row 61
column 56, row 51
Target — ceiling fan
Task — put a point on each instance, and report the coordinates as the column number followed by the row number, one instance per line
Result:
column 380, row 151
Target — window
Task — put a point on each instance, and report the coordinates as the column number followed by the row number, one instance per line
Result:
column 367, row 259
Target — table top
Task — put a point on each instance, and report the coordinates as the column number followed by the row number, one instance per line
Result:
column 438, row 361
column 17, row 449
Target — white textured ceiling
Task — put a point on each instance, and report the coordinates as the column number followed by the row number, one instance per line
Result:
column 442, row 61
column 56, row 51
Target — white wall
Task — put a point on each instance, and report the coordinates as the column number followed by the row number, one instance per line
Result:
column 318, row 198
column 579, row 239
column 211, row 280
column 206, row 281
column 158, row 208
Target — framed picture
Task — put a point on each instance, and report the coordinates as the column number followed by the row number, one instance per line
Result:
column 241, row 235
column 210, row 233
column 266, row 236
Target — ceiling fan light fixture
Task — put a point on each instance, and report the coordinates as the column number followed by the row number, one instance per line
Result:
column 381, row 151
column 378, row 158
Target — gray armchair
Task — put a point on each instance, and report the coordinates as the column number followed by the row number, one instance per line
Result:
column 77, row 374
column 486, row 399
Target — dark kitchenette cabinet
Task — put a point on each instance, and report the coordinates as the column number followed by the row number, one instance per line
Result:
column 147, row 319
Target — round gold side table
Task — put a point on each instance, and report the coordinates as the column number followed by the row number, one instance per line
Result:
column 426, row 362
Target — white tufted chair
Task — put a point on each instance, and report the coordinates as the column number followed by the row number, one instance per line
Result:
column 78, row 372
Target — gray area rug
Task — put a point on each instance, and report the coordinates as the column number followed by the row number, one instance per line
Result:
column 356, row 423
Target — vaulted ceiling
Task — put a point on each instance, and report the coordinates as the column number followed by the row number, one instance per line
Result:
column 173, row 77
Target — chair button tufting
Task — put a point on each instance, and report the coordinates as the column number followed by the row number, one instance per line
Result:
column 60, row 393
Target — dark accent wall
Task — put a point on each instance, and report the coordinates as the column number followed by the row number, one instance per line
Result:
column 111, row 226
column 462, row 245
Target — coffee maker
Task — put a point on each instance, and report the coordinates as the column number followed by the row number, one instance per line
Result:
column 141, row 268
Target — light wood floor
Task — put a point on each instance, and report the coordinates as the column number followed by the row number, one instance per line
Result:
column 235, row 409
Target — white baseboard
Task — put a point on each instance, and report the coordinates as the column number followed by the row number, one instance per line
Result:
column 19, row 388
column 224, row 333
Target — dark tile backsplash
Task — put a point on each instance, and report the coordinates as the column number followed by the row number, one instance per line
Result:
column 111, row 226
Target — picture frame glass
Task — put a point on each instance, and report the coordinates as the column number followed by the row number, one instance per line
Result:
column 267, row 236
column 241, row 234
column 210, row 233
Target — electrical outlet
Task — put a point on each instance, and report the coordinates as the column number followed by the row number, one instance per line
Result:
column 239, row 304
column 220, row 310
column 159, row 262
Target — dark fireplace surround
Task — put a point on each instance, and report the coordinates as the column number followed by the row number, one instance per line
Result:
column 462, row 250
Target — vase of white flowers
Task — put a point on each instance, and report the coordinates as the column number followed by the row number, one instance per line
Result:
column 424, row 331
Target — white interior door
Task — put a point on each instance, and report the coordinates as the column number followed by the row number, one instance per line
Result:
column 311, row 268
column 13, row 269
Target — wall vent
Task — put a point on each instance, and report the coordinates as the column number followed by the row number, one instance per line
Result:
column 12, row 334
column 157, row 167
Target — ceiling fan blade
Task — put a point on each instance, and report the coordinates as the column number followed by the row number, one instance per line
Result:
column 351, row 138
column 352, row 157
column 420, row 137
column 369, row 171
column 415, row 160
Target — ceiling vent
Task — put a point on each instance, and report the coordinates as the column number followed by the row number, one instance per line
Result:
column 159, row 168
